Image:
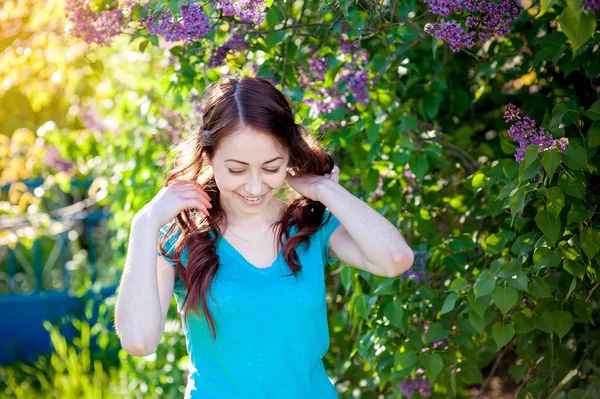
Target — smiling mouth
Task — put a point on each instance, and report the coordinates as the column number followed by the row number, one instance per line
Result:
column 255, row 199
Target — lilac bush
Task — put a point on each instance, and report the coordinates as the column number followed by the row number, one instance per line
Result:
column 234, row 43
column 192, row 25
column 483, row 18
column 94, row 27
column 525, row 132
column 409, row 385
column 245, row 10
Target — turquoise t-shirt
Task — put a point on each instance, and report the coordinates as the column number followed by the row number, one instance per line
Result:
column 272, row 331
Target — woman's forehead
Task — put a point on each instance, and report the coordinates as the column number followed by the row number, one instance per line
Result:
column 249, row 146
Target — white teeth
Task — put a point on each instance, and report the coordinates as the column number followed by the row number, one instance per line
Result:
column 252, row 199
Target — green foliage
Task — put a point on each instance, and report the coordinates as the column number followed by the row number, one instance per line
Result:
column 511, row 249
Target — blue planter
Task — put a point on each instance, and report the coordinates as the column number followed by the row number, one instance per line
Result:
column 23, row 337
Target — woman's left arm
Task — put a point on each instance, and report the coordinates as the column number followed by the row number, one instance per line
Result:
column 381, row 244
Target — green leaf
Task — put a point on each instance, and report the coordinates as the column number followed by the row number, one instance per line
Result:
column 571, row 288
column 531, row 154
column 544, row 6
column 594, row 135
column 394, row 312
column 594, row 111
column 517, row 371
column 546, row 257
column 573, row 183
column 527, row 172
column 470, row 372
column 449, row 303
column 479, row 305
column 405, row 360
column 518, row 281
column 502, row 333
column 590, row 241
column 575, row 156
column 477, row 322
column 543, row 321
column 579, row 26
column 555, row 199
column 550, row 161
column 539, row 288
column 517, row 203
column 458, row 284
column 558, row 113
column 523, row 321
column 485, row 284
column 372, row 132
column 433, row 367
column 575, row 267
column 436, row 332
column 562, row 322
column 549, row 224
column 419, row 166
column 578, row 214
column 505, row 298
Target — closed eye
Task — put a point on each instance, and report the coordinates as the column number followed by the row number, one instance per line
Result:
column 239, row 172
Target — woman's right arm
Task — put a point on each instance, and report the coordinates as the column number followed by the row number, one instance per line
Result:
column 147, row 281
column 145, row 290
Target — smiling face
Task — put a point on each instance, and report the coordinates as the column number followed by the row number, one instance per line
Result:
column 248, row 164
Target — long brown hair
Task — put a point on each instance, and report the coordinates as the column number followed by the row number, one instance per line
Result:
column 230, row 103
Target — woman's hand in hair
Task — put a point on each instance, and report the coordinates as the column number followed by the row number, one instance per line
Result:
column 308, row 185
column 171, row 200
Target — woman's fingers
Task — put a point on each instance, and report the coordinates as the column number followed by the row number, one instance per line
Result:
column 195, row 203
column 191, row 192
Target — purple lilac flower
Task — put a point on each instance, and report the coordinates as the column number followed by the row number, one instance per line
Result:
column 331, row 125
column 445, row 8
column 593, row 4
column 55, row 161
column 409, row 385
column 352, row 79
column 245, row 10
column 236, row 42
column 524, row 131
column 192, row 25
column 487, row 18
column 412, row 179
column 319, row 67
column 94, row 27
column 417, row 271
column 379, row 190
column 452, row 33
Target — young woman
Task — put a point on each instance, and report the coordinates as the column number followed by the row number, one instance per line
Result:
column 246, row 267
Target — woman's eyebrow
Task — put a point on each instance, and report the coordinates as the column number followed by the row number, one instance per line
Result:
column 235, row 160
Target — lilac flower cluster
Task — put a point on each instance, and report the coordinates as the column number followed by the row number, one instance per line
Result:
column 412, row 179
column 593, row 4
column 410, row 385
column 524, row 131
column 55, row 161
column 245, row 10
column 192, row 25
column 235, row 42
column 94, row 27
column 417, row 271
column 452, row 33
column 355, row 73
column 319, row 67
column 352, row 79
column 485, row 19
